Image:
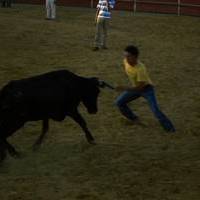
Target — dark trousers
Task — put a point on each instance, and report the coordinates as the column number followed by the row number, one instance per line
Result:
column 5, row 3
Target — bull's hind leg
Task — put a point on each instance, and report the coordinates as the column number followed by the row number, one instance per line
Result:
column 4, row 145
column 79, row 119
column 8, row 129
column 45, row 128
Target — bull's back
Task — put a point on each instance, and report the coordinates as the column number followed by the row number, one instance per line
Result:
column 59, row 77
column 50, row 95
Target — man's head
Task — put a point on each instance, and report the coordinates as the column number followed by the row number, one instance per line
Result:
column 131, row 54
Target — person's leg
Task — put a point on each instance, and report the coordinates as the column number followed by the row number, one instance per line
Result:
column 48, row 8
column 9, row 3
column 98, row 34
column 105, row 32
column 53, row 10
column 149, row 94
column 3, row 4
column 121, row 103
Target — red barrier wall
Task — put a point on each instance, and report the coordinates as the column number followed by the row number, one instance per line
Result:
column 158, row 6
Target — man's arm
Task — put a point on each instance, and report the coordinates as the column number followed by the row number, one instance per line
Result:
column 96, row 16
column 140, row 87
column 108, row 5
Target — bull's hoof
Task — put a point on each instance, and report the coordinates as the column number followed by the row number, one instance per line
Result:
column 2, row 157
column 92, row 142
column 16, row 155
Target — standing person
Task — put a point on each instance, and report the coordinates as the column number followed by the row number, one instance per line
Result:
column 51, row 9
column 103, row 15
column 142, row 86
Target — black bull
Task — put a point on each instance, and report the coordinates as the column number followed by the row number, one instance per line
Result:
column 53, row 95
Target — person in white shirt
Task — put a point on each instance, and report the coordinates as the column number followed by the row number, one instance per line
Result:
column 51, row 9
column 102, row 18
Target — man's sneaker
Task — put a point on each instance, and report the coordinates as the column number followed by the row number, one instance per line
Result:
column 95, row 48
column 171, row 130
column 104, row 47
column 168, row 127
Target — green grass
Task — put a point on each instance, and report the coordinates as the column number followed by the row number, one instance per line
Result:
column 128, row 162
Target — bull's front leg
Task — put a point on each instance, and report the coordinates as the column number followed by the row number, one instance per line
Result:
column 45, row 128
column 79, row 119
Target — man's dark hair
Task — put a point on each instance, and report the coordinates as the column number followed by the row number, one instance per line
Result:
column 133, row 50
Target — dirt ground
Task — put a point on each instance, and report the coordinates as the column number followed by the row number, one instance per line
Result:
column 129, row 162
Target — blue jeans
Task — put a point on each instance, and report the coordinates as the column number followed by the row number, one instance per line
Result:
column 149, row 94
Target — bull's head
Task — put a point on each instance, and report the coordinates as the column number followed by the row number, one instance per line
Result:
column 90, row 97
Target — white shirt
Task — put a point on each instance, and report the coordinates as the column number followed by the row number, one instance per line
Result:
column 104, row 8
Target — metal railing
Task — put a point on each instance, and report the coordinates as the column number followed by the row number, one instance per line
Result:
column 176, row 4
column 162, row 3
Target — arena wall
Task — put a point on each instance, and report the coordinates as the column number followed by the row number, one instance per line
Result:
column 180, row 7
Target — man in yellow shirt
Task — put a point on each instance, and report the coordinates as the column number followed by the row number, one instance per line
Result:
column 142, row 86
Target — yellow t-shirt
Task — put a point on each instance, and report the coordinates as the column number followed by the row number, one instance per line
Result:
column 137, row 73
